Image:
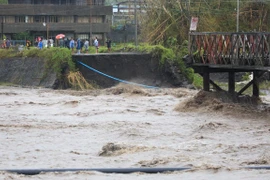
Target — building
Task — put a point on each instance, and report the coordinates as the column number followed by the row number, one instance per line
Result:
column 123, row 20
column 82, row 19
column 123, row 12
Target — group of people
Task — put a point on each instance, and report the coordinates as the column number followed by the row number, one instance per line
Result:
column 41, row 43
column 71, row 43
column 6, row 44
column 79, row 45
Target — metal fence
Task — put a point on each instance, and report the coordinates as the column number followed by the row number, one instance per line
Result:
column 13, row 43
column 248, row 49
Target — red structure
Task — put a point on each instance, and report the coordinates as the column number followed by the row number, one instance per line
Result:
column 231, row 53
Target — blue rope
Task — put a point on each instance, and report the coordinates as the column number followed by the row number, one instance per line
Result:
column 120, row 80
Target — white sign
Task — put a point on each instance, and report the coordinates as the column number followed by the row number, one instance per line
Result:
column 193, row 23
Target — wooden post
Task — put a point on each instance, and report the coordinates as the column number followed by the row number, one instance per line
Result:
column 256, row 91
column 231, row 82
column 206, row 80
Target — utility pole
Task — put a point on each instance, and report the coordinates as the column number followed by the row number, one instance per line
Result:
column 90, row 21
column 2, row 28
column 136, row 23
column 237, row 17
column 47, row 28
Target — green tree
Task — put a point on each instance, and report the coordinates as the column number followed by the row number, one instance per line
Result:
column 3, row 1
column 22, row 36
column 168, row 19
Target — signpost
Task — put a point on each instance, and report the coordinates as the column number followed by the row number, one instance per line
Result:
column 193, row 24
column 193, row 27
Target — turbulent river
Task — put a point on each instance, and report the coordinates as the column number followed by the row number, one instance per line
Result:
column 128, row 127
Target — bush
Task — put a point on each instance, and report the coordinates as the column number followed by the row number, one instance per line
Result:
column 7, row 53
column 58, row 59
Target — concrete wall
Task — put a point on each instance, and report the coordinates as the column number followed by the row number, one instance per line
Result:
column 26, row 72
column 137, row 68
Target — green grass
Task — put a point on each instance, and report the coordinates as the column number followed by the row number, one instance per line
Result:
column 198, row 81
column 7, row 53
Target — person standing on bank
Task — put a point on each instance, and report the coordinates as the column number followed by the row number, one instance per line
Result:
column 8, row 43
column 28, row 44
column 40, row 44
column 109, row 42
column 78, row 47
column 96, row 45
column 86, row 45
column 82, row 44
column 71, row 45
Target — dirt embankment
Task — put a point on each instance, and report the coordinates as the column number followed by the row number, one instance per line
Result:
column 223, row 103
column 136, row 68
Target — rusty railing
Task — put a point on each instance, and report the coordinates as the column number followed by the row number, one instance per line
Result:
column 238, row 49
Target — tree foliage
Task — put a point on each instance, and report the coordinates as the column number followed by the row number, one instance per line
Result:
column 166, row 20
column 3, row 1
column 22, row 36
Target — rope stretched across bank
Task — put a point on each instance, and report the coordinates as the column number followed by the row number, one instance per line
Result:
column 117, row 79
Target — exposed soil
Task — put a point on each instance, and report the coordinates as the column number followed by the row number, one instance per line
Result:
column 223, row 103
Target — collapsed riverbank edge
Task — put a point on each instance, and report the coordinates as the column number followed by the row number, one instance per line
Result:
column 138, row 68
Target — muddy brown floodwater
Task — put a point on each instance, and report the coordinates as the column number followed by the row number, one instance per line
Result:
column 130, row 127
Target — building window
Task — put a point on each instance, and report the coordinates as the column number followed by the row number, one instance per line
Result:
column 83, row 36
column 29, row 19
column 19, row 19
column 39, row 19
column 65, row 19
column 83, row 19
column 75, row 19
column 53, row 19
column 37, row 1
column 9, row 19
column 96, row 19
column 98, row 2
column 99, row 36
column 80, row 2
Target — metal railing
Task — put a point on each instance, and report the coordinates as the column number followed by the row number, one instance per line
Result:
column 245, row 49
column 13, row 43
